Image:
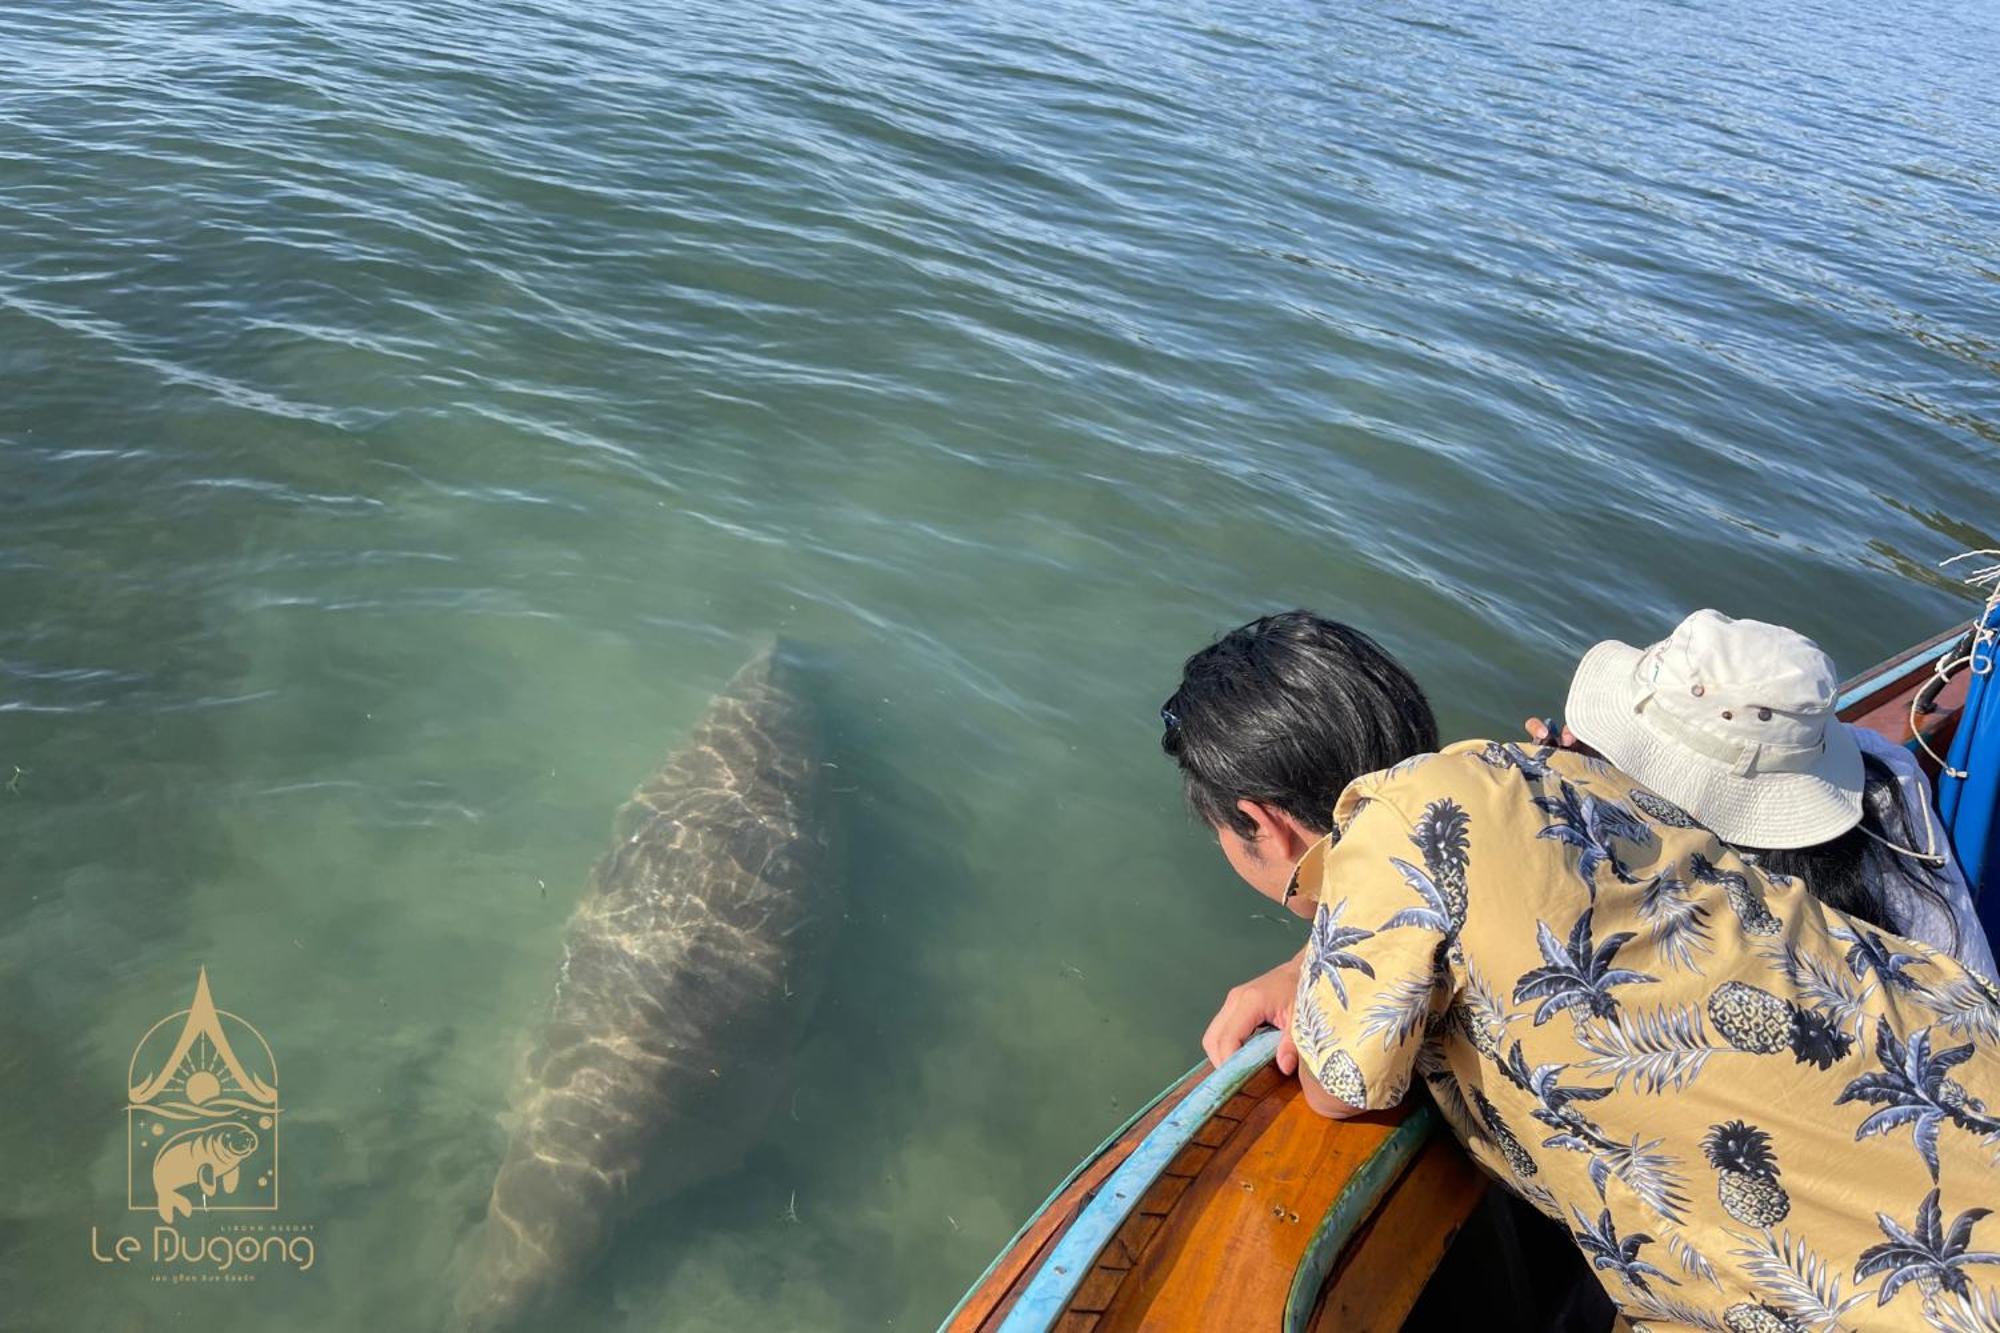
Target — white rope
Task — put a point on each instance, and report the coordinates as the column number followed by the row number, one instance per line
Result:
column 1947, row 665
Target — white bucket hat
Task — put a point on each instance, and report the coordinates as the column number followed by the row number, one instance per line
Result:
column 1733, row 720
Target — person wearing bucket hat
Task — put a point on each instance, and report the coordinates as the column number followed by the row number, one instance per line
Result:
column 1733, row 718
column 1734, row 722
column 1706, row 1075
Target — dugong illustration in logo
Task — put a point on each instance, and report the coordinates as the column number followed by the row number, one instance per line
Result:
column 202, row 1114
column 207, row 1158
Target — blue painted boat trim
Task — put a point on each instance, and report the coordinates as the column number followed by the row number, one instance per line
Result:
column 1351, row 1207
column 1054, row 1284
column 1856, row 691
column 1056, row 1193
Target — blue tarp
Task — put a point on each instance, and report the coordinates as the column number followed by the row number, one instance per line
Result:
column 1970, row 806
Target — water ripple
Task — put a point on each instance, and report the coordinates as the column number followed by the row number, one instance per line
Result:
column 413, row 410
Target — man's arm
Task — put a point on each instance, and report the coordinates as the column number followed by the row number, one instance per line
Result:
column 1262, row 1000
column 1323, row 1101
column 1267, row 999
column 1377, row 942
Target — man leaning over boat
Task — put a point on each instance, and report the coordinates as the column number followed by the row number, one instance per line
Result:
column 1706, row 1075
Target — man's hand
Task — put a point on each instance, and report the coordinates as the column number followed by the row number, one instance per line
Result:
column 1260, row 1000
column 1541, row 732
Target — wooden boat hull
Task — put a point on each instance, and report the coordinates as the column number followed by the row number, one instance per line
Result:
column 1228, row 1204
column 1261, row 1192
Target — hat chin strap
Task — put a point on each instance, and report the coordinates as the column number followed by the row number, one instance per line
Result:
column 1933, row 857
column 1743, row 758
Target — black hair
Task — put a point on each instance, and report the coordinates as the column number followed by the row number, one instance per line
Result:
column 1849, row 872
column 1286, row 711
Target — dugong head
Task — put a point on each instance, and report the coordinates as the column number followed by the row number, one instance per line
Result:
column 235, row 1142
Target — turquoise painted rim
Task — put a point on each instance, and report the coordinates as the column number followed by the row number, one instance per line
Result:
column 1055, row 1283
column 1855, row 691
column 1351, row 1207
column 1083, row 1165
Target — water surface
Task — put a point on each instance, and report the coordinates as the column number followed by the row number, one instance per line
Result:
column 413, row 412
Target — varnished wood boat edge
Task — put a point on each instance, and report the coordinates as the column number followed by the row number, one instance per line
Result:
column 1356, row 1201
column 1162, row 1102
column 1062, row 1271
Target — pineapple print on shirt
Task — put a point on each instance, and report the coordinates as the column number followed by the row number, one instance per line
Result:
column 1748, row 1186
column 1759, row 1022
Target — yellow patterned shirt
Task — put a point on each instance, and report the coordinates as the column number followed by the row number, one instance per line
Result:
column 1752, row 1113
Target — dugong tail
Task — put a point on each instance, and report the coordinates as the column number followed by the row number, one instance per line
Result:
column 688, row 973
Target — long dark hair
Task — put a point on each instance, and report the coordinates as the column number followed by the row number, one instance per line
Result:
column 1286, row 711
column 1851, row 872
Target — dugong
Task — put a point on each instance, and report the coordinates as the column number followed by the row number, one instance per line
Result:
column 207, row 1157
column 688, row 972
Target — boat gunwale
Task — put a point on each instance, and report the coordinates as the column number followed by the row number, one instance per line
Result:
column 1357, row 1201
column 1076, row 1173
column 1063, row 1269
column 1885, row 677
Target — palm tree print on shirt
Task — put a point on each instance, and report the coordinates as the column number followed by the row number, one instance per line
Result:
column 1607, row 1252
column 1328, row 952
column 1869, row 952
column 1679, row 923
column 1576, row 976
column 1746, row 901
column 1544, row 1084
column 1915, row 1087
column 1967, row 1006
column 1589, row 824
column 1647, row 1172
column 1715, row 1058
column 1927, row 1253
